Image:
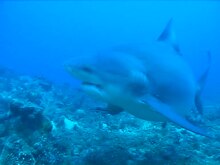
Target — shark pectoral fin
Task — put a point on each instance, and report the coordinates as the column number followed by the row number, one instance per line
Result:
column 169, row 113
column 168, row 35
column 201, row 84
column 113, row 110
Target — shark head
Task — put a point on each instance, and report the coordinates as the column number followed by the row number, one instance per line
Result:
column 108, row 74
column 84, row 69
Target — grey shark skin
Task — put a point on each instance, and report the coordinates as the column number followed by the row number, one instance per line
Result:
column 154, row 83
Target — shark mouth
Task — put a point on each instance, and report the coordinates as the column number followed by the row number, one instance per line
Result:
column 92, row 84
column 93, row 89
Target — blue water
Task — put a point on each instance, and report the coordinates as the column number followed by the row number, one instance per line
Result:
column 37, row 37
column 46, row 123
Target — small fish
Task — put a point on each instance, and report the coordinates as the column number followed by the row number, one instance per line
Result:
column 153, row 83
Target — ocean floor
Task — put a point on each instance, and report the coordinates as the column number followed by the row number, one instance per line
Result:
column 42, row 123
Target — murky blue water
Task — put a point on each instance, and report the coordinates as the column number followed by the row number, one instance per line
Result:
column 38, row 37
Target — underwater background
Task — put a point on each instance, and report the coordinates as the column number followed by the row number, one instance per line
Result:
column 46, row 119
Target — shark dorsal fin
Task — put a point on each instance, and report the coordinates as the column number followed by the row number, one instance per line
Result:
column 168, row 35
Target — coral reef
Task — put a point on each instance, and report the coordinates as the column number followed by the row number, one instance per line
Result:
column 44, row 123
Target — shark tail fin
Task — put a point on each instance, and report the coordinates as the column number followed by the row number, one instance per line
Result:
column 168, row 35
column 201, row 84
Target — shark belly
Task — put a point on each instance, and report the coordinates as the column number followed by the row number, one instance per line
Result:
column 132, row 105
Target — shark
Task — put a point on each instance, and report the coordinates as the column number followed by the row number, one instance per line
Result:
column 152, row 82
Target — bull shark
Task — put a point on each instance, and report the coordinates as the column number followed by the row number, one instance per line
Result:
column 153, row 83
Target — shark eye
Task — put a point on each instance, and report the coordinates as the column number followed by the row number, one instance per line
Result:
column 87, row 69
